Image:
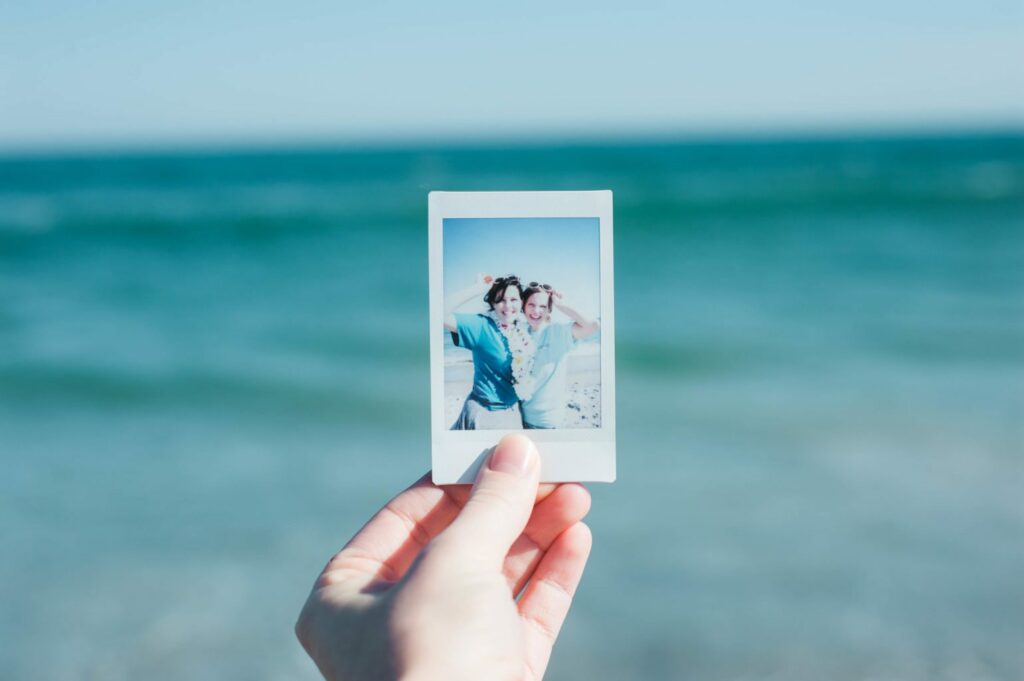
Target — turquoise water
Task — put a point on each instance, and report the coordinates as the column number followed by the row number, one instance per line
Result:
column 213, row 368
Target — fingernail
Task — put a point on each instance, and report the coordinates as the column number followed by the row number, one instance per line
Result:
column 514, row 454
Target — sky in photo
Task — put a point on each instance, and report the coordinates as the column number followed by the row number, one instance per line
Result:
column 562, row 252
column 187, row 72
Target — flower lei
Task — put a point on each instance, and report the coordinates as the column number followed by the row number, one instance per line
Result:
column 522, row 347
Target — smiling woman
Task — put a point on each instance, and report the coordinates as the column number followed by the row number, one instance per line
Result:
column 502, row 350
column 546, row 407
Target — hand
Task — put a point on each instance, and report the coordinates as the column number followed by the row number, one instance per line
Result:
column 483, row 281
column 426, row 590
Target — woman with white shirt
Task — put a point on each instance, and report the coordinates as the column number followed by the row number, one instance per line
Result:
column 546, row 406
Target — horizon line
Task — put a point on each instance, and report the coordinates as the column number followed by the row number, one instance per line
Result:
column 249, row 144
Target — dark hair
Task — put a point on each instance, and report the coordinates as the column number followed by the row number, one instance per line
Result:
column 528, row 292
column 498, row 288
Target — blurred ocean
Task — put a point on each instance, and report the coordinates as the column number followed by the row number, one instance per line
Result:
column 213, row 368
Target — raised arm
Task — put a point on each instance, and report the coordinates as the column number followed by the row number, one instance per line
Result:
column 459, row 298
column 582, row 327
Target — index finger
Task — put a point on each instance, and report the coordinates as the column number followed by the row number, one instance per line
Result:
column 389, row 542
column 386, row 546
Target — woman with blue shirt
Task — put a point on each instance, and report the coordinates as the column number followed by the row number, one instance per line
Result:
column 545, row 408
column 502, row 353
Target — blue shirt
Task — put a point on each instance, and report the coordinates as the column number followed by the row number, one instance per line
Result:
column 492, row 361
column 546, row 408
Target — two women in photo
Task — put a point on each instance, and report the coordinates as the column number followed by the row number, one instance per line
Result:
column 520, row 376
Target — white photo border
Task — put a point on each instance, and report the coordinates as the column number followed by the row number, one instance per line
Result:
column 569, row 455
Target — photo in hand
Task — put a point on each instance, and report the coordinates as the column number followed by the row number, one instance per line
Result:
column 520, row 335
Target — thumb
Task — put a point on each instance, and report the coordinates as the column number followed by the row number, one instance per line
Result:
column 499, row 505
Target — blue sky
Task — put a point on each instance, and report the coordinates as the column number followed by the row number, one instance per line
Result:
column 122, row 72
column 562, row 252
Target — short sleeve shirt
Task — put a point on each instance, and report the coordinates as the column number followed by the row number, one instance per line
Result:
column 492, row 361
column 546, row 407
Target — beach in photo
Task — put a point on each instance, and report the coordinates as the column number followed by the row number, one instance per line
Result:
column 583, row 397
column 522, row 297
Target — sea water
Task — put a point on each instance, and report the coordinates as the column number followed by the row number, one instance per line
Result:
column 214, row 368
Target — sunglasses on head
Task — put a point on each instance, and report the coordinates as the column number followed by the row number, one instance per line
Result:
column 546, row 287
column 510, row 279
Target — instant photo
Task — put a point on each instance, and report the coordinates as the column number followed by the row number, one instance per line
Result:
column 522, row 335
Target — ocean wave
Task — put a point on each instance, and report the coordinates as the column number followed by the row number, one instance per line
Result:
column 653, row 184
column 104, row 389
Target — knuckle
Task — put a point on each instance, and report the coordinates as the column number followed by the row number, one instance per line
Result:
column 500, row 499
column 543, row 625
column 304, row 627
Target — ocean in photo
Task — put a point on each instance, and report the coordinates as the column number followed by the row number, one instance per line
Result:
column 214, row 368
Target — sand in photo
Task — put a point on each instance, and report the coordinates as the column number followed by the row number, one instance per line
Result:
column 583, row 396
